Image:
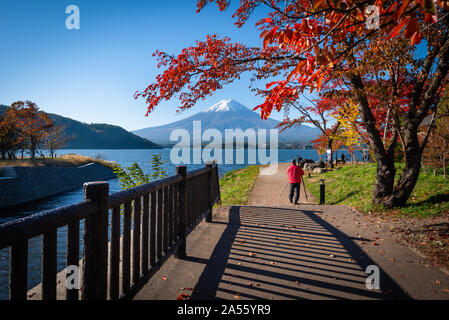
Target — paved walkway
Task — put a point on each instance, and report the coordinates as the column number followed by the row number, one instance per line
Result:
column 273, row 250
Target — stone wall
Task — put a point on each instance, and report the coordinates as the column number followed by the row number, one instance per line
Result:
column 23, row 184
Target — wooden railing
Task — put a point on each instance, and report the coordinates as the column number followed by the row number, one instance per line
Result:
column 147, row 224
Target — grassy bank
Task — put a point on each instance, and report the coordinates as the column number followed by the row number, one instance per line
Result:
column 235, row 186
column 70, row 160
column 353, row 185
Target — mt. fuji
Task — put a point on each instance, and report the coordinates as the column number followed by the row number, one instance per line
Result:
column 228, row 114
column 228, row 106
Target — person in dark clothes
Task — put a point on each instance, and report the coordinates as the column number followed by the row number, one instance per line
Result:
column 365, row 156
column 294, row 174
column 299, row 161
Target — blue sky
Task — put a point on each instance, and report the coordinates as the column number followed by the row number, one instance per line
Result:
column 91, row 74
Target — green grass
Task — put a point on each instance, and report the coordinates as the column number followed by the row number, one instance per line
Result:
column 352, row 185
column 235, row 186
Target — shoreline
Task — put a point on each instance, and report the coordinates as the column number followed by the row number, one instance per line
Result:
column 20, row 184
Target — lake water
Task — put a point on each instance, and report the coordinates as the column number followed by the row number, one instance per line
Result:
column 122, row 157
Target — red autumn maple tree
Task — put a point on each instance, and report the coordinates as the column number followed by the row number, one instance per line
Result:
column 326, row 45
column 31, row 123
column 321, row 113
column 10, row 137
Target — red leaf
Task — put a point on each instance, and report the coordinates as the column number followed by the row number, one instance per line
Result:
column 430, row 18
column 397, row 29
column 182, row 296
column 401, row 10
column 412, row 28
column 416, row 38
column 320, row 79
column 267, row 20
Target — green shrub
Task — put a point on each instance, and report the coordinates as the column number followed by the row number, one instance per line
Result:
column 134, row 176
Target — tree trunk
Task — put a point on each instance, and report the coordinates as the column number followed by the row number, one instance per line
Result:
column 409, row 177
column 329, row 146
column 403, row 189
column 386, row 171
column 405, row 185
column 444, row 167
column 33, row 146
column 443, row 153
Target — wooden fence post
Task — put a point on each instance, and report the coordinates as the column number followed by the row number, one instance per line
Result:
column 217, row 182
column 180, row 252
column 18, row 271
column 95, row 244
column 209, row 192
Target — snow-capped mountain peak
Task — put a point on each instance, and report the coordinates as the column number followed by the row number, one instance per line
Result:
column 227, row 114
column 229, row 105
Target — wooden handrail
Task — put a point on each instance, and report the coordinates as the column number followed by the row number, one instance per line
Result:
column 121, row 197
column 40, row 223
column 198, row 172
column 157, row 218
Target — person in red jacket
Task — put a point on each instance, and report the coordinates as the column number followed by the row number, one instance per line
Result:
column 294, row 174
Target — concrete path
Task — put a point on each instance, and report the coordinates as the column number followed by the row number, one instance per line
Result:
column 273, row 250
column 268, row 188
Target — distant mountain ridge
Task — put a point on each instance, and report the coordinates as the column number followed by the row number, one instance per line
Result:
column 97, row 135
column 228, row 114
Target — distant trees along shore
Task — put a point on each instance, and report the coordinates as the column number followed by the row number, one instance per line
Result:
column 24, row 128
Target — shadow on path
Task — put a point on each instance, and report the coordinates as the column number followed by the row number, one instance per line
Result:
column 287, row 253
